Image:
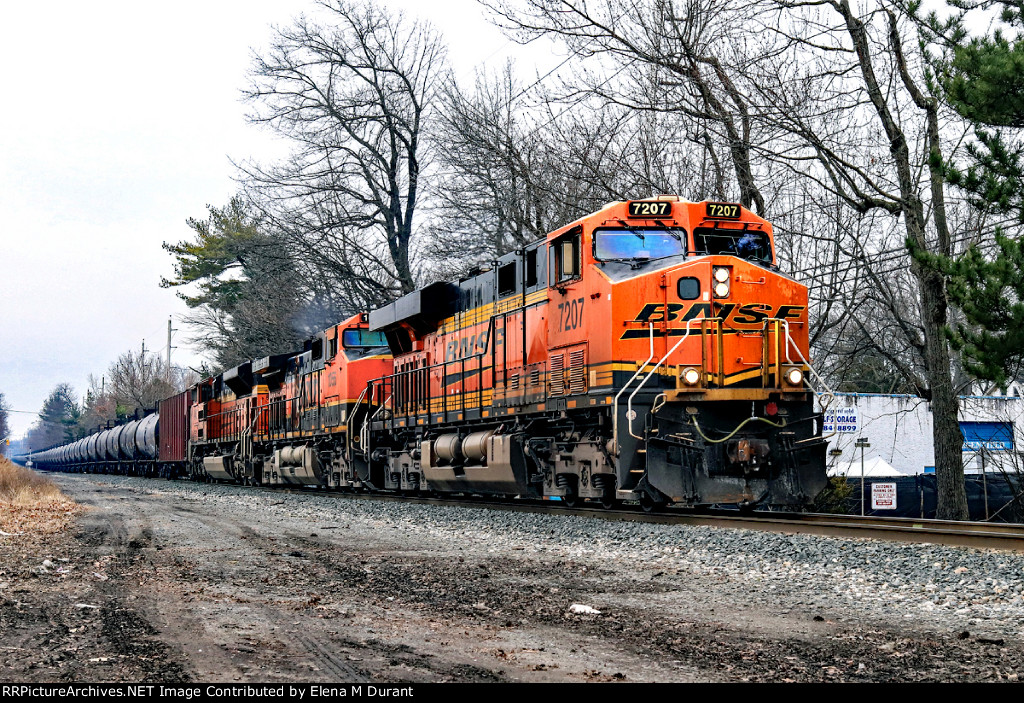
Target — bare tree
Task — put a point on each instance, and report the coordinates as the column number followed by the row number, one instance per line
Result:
column 660, row 56
column 139, row 381
column 862, row 125
column 5, row 428
column 353, row 96
column 492, row 195
column 517, row 162
column 98, row 407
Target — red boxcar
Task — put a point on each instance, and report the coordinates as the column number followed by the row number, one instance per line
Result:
column 174, row 426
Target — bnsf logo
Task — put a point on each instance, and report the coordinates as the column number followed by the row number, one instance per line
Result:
column 749, row 314
column 465, row 347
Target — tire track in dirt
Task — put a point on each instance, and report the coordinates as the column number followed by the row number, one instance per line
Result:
column 118, row 542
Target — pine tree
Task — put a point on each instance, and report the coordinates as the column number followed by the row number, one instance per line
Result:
column 58, row 419
column 984, row 81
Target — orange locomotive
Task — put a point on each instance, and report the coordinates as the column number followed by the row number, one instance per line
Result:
column 650, row 351
column 284, row 419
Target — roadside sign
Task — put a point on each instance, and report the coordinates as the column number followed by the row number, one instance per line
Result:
column 993, row 436
column 843, row 420
column 883, row 496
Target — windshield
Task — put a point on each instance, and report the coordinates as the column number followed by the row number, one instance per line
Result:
column 638, row 243
column 362, row 338
column 752, row 246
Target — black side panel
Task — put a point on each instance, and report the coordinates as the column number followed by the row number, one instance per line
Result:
column 422, row 309
column 239, row 379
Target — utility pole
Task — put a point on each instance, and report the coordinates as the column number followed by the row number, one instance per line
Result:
column 170, row 331
column 863, row 443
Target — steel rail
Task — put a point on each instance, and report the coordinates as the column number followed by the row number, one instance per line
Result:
column 978, row 535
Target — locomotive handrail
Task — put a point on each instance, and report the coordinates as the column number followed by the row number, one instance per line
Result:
column 348, row 424
column 233, row 427
column 767, row 327
column 279, row 404
column 829, row 393
column 443, row 365
column 629, row 403
column 615, row 403
column 364, row 431
column 256, row 416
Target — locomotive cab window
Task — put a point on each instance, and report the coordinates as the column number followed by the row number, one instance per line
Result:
column 507, row 279
column 637, row 244
column 745, row 244
column 363, row 339
column 565, row 252
column 688, row 288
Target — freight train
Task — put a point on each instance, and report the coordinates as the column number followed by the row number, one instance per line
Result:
column 651, row 351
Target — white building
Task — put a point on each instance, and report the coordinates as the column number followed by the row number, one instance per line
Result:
column 899, row 431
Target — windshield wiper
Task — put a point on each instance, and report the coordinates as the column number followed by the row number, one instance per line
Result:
column 666, row 256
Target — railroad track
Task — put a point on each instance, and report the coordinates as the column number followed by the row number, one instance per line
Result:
column 979, row 535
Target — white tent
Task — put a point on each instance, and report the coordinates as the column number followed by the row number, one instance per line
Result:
column 874, row 467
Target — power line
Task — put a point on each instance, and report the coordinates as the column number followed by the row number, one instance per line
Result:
column 887, row 255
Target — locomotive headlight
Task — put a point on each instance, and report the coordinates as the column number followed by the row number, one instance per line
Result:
column 691, row 376
column 794, row 377
column 721, row 276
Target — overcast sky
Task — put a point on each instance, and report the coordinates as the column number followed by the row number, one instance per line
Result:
column 118, row 122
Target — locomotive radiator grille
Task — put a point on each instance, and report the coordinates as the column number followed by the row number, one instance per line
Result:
column 577, row 372
column 557, row 374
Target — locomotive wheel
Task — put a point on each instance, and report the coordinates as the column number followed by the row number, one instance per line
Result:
column 650, row 504
column 571, row 500
column 609, row 501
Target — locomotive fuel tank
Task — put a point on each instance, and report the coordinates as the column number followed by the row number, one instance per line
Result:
column 484, row 462
column 297, row 465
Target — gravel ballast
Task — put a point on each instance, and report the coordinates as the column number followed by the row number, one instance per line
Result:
column 937, row 587
column 221, row 582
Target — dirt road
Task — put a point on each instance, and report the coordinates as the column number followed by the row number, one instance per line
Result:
column 159, row 581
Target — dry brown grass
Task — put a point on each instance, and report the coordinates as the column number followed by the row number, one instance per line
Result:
column 30, row 502
column 22, row 486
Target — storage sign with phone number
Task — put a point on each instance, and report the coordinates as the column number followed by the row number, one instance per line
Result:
column 841, row 420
